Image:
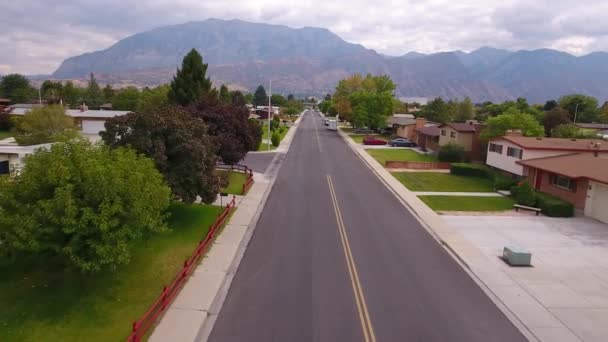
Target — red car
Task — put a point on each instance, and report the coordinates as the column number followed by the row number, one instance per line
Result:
column 373, row 141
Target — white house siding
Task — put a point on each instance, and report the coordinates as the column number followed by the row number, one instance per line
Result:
column 509, row 164
column 92, row 126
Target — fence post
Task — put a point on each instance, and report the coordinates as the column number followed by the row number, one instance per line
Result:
column 135, row 331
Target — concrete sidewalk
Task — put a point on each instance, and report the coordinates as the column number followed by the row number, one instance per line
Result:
column 444, row 193
column 532, row 319
column 193, row 312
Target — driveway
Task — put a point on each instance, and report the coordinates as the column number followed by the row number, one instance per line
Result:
column 570, row 274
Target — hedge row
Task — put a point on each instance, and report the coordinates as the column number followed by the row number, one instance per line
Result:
column 553, row 206
column 500, row 181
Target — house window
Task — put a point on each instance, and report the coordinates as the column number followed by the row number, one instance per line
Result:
column 452, row 134
column 563, row 182
column 443, row 132
column 514, row 152
column 496, row 148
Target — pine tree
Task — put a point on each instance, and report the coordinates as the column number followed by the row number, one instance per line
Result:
column 260, row 98
column 93, row 96
column 225, row 96
column 190, row 82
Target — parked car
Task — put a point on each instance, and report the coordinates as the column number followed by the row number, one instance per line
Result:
column 362, row 131
column 373, row 141
column 386, row 131
column 402, row 142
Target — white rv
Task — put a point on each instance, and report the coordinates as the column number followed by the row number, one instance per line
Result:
column 333, row 125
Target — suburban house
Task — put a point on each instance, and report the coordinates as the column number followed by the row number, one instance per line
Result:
column 262, row 111
column 90, row 122
column 578, row 178
column 428, row 138
column 592, row 126
column 505, row 152
column 11, row 156
column 464, row 134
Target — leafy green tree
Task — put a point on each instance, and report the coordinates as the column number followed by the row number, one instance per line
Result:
column 436, row 111
column 93, row 94
column 553, row 118
column 17, row 88
column 550, row 105
column 229, row 127
column 570, row 131
column 225, row 94
column 177, row 142
column 515, row 120
column 43, row 125
column 237, row 99
column 71, row 94
column 190, row 83
column 51, row 92
column 603, row 116
column 275, row 139
column 151, row 99
column 108, row 93
column 400, row 107
column 249, row 98
column 260, row 98
column 324, row 106
column 81, row 205
column 279, row 100
column 127, row 99
column 583, row 107
column 466, row 110
column 371, row 109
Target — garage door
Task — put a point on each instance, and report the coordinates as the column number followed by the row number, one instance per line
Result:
column 92, row 126
column 599, row 204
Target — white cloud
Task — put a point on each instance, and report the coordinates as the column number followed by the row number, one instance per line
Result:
column 37, row 35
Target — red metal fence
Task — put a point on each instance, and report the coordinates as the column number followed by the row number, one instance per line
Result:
column 417, row 165
column 240, row 168
column 143, row 325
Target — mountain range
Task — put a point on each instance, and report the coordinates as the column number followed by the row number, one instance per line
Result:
column 310, row 61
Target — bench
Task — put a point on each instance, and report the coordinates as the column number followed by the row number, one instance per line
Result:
column 525, row 207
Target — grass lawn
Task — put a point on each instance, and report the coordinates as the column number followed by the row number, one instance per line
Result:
column 264, row 146
column 382, row 155
column 5, row 134
column 434, row 181
column 347, row 129
column 358, row 138
column 236, row 182
column 41, row 304
column 468, row 203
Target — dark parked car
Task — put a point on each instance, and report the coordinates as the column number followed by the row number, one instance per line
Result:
column 386, row 131
column 402, row 142
column 373, row 141
column 362, row 131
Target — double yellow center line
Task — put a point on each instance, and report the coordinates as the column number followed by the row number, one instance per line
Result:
column 366, row 324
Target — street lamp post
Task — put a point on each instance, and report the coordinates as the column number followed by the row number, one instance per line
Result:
column 576, row 112
column 269, row 108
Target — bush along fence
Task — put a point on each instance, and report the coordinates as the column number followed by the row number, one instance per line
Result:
column 143, row 325
column 239, row 168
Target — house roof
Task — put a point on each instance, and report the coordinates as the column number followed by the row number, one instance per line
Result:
column 576, row 165
column 559, row 144
column 593, row 125
column 401, row 121
column 460, row 126
column 432, row 131
column 77, row 113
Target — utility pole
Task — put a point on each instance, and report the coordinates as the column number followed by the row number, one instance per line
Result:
column 269, row 108
column 576, row 112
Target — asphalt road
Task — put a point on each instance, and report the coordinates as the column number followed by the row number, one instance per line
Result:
column 335, row 257
column 258, row 162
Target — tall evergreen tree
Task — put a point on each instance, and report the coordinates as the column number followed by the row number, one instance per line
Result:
column 190, row 83
column 238, row 99
column 260, row 98
column 225, row 96
column 94, row 95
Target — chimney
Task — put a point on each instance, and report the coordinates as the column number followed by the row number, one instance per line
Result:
column 514, row 133
column 420, row 122
column 83, row 107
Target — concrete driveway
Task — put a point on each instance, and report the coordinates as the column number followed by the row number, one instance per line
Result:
column 570, row 274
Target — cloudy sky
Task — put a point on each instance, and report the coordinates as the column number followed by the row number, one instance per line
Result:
column 36, row 35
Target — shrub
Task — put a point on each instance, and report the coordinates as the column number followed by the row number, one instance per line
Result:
column 503, row 182
column 82, row 205
column 451, row 153
column 274, row 124
column 553, row 206
column 275, row 139
column 524, row 194
column 471, row 170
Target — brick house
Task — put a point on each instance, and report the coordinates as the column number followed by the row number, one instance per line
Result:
column 428, row 138
column 577, row 178
column 466, row 135
column 505, row 152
